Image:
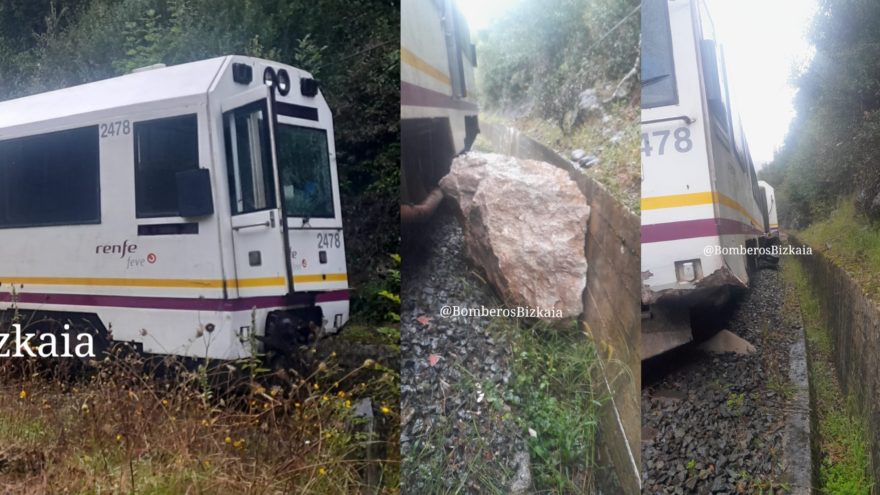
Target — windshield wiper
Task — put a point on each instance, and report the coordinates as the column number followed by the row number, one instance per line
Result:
column 652, row 80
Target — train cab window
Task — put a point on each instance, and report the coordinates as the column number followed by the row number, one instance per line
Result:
column 658, row 68
column 50, row 179
column 163, row 148
column 248, row 159
column 304, row 165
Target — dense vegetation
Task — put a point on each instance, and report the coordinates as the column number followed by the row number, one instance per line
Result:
column 119, row 426
column 52, row 44
column 832, row 145
column 539, row 57
column 549, row 51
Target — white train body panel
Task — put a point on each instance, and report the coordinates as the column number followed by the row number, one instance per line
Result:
column 149, row 276
column 427, row 85
column 697, row 193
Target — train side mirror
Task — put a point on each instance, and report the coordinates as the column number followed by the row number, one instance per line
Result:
column 712, row 79
column 194, row 193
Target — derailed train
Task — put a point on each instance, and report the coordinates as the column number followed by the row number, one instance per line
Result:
column 701, row 200
column 187, row 208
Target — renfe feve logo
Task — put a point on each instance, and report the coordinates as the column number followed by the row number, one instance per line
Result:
column 48, row 346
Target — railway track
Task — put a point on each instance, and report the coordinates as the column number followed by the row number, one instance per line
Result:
column 715, row 423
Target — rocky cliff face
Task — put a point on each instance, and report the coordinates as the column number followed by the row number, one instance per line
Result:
column 525, row 224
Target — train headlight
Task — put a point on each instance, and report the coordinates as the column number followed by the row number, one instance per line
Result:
column 269, row 77
column 283, row 82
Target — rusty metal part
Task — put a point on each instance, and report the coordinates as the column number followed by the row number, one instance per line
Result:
column 422, row 211
column 667, row 327
column 668, row 323
column 720, row 277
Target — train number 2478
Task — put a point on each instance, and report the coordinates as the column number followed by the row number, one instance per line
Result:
column 682, row 137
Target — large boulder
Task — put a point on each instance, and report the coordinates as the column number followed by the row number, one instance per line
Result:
column 525, row 225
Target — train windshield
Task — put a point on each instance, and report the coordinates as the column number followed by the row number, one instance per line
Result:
column 658, row 69
column 304, row 166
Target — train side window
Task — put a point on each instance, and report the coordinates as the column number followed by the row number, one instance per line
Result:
column 51, row 179
column 248, row 159
column 162, row 148
column 658, row 67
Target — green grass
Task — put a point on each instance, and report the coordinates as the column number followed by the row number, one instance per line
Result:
column 845, row 463
column 552, row 389
column 855, row 244
column 431, row 466
column 483, row 145
column 550, row 392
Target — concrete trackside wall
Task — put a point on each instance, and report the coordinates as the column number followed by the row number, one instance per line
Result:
column 852, row 320
column 612, row 308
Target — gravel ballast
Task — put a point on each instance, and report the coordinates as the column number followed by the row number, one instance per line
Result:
column 715, row 423
column 452, row 438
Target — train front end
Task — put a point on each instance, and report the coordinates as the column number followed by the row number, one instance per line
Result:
column 695, row 189
column 287, row 248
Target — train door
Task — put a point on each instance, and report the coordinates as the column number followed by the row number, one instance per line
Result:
column 261, row 267
column 310, row 191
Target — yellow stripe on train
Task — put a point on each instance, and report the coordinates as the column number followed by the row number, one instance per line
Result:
column 694, row 199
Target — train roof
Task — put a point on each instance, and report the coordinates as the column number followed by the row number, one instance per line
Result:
column 177, row 82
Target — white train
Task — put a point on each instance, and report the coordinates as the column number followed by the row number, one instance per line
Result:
column 771, row 220
column 699, row 190
column 438, row 107
column 186, row 208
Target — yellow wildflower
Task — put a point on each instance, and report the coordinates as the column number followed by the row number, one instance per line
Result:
column 386, row 410
column 321, row 471
column 23, row 395
column 228, row 440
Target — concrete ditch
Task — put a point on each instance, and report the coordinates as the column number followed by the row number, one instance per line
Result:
column 611, row 308
column 799, row 425
column 852, row 320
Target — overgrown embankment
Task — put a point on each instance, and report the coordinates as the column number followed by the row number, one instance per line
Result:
column 129, row 424
column 548, row 70
column 849, row 239
column 840, row 437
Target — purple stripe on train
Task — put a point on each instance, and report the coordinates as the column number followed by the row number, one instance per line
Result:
column 417, row 96
column 691, row 229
